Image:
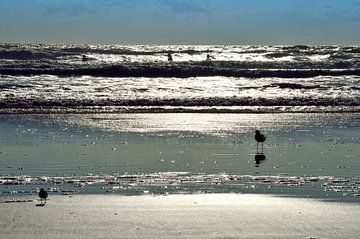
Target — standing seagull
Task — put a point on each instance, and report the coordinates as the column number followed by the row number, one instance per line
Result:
column 43, row 195
column 260, row 138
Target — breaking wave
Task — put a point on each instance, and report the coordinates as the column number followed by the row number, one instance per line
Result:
column 47, row 77
column 186, row 61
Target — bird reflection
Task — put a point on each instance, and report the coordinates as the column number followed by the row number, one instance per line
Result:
column 259, row 158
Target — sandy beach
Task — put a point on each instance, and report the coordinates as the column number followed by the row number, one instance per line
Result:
column 179, row 216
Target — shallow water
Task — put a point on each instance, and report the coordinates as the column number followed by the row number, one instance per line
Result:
column 306, row 154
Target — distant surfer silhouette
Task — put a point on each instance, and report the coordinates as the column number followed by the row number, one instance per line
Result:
column 84, row 58
column 170, row 57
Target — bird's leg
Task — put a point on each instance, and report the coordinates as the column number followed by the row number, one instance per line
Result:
column 262, row 147
column 257, row 147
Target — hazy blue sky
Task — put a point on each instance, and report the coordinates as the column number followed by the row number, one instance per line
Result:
column 181, row 21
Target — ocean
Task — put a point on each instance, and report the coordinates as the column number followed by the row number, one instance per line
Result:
column 155, row 119
column 117, row 78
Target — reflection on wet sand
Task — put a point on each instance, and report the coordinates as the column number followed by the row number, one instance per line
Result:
column 259, row 158
column 133, row 154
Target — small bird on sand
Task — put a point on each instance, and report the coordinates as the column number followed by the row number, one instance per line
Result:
column 43, row 195
column 260, row 138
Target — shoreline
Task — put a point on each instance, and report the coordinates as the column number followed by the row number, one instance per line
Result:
column 23, row 109
column 325, row 188
column 33, row 197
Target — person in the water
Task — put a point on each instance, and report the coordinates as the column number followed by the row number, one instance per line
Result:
column 209, row 57
column 170, row 57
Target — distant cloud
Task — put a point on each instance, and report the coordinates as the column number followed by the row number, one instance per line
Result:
column 356, row 2
column 76, row 7
column 337, row 11
column 67, row 8
column 185, row 6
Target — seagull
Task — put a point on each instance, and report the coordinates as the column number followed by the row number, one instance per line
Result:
column 43, row 195
column 260, row 138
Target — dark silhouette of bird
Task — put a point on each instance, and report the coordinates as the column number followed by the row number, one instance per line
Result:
column 43, row 195
column 260, row 138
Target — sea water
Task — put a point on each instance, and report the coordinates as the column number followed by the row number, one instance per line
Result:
column 125, row 119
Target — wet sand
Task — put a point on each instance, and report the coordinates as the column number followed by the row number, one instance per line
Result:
column 179, row 216
column 308, row 155
column 297, row 144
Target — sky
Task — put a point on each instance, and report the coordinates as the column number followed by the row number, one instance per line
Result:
column 181, row 21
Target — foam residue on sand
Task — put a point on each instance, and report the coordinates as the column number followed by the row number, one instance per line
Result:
column 184, row 183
